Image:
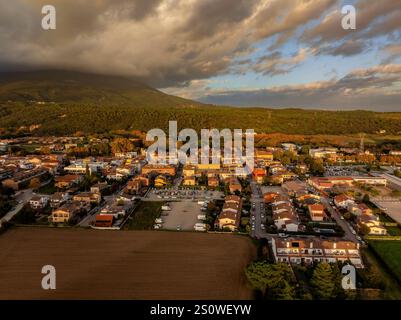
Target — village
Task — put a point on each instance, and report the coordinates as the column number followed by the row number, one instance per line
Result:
column 313, row 206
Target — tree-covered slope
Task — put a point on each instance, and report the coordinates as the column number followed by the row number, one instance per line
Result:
column 67, row 102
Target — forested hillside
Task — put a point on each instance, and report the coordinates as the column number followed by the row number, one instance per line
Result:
column 64, row 103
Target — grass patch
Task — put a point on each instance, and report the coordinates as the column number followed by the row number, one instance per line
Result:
column 145, row 215
column 385, row 218
column 394, row 231
column 392, row 291
column 389, row 252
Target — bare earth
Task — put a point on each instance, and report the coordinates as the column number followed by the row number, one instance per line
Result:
column 124, row 265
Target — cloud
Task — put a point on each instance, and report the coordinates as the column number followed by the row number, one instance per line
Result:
column 373, row 19
column 161, row 42
column 361, row 88
column 174, row 43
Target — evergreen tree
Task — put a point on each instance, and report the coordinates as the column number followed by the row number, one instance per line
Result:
column 337, row 276
column 323, row 281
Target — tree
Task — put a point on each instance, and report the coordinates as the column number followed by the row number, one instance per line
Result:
column 364, row 229
column 284, row 291
column 273, row 280
column 25, row 216
column 337, row 275
column 34, row 183
column 316, row 167
column 323, row 281
column 366, row 198
column 121, row 145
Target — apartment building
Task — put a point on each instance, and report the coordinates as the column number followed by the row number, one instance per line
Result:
column 297, row 250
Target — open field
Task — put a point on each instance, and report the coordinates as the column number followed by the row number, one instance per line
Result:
column 389, row 251
column 94, row 264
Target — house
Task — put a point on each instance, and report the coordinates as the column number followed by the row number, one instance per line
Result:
column 276, row 168
column 67, row 212
column 158, row 169
column 189, row 181
column 38, row 202
column 283, row 214
column 58, row 199
column 323, row 152
column 263, row 155
column 160, row 181
column 314, row 250
column 234, row 185
column 269, row 197
column 230, row 215
column 99, row 187
column 372, row 222
column 21, row 179
column 329, row 182
column 295, row 188
column 368, row 180
column 213, row 181
column 84, row 167
column 259, row 174
column 67, row 181
column 104, row 220
column 88, row 197
column 316, row 212
column 137, row 184
column 189, row 171
column 117, row 209
column 360, row 209
column 343, row 201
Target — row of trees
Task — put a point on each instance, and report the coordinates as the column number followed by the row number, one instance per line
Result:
column 279, row 282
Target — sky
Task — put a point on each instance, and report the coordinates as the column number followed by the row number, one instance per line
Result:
column 269, row 53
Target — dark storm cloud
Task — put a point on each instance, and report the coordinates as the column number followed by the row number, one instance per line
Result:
column 173, row 42
column 162, row 42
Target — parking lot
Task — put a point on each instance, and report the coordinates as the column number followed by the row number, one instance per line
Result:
column 183, row 194
column 183, row 214
column 342, row 171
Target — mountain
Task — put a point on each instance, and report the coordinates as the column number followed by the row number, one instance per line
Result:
column 64, row 102
column 70, row 87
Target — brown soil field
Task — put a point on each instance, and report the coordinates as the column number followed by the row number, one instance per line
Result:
column 124, row 264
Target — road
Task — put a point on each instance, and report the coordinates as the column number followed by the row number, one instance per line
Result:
column 21, row 197
column 342, row 223
column 257, row 212
column 393, row 179
column 90, row 217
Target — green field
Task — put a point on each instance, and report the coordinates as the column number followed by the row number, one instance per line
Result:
column 390, row 253
column 145, row 215
column 394, row 231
